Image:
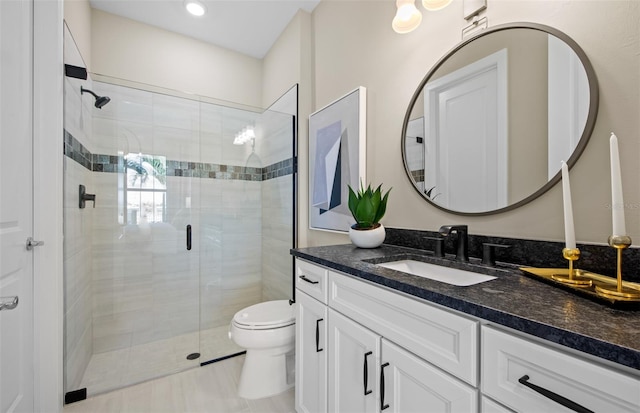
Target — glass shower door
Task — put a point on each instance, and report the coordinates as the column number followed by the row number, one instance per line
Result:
column 145, row 313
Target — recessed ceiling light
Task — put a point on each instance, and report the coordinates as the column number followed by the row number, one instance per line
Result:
column 195, row 7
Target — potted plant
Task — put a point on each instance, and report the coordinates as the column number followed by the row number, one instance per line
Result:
column 367, row 207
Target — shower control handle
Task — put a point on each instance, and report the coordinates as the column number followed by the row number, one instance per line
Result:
column 84, row 197
column 189, row 237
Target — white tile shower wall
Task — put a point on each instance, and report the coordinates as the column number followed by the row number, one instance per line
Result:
column 277, row 234
column 211, row 133
column 231, row 254
column 277, row 208
column 276, row 144
column 233, row 121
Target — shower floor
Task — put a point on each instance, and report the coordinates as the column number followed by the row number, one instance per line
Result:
column 120, row 368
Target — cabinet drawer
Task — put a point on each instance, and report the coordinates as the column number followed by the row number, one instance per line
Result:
column 447, row 340
column 312, row 279
column 509, row 360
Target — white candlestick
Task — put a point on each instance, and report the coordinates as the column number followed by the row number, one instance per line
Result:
column 617, row 203
column 569, row 231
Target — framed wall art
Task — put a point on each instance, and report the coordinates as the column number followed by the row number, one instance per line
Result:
column 337, row 152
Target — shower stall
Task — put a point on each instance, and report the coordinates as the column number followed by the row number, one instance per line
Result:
column 192, row 220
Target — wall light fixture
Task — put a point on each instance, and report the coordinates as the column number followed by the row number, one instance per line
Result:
column 247, row 134
column 408, row 17
column 433, row 5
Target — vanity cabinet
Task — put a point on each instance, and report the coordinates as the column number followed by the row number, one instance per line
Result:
column 386, row 350
column 374, row 350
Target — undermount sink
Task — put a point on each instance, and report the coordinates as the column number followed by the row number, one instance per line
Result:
column 453, row 276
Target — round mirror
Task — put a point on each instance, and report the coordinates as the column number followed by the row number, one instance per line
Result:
column 488, row 127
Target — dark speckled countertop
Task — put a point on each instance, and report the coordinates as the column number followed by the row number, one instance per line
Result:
column 512, row 300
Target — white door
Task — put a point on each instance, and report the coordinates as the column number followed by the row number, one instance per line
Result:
column 311, row 355
column 354, row 352
column 466, row 137
column 409, row 384
column 16, row 219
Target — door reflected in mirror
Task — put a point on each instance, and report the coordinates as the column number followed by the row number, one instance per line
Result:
column 489, row 125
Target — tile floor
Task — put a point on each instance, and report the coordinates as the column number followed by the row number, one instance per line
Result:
column 212, row 389
column 119, row 368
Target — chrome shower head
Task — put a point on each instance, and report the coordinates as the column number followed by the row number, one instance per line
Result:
column 100, row 100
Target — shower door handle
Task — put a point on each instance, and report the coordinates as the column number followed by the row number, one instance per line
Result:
column 188, row 237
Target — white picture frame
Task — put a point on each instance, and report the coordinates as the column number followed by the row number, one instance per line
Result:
column 337, row 158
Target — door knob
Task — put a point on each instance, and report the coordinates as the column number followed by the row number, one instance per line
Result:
column 8, row 303
column 33, row 243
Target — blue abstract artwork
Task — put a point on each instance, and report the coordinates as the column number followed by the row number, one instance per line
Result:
column 336, row 160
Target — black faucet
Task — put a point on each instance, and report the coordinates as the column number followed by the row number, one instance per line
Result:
column 462, row 248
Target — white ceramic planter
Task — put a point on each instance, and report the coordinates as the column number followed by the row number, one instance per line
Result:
column 367, row 238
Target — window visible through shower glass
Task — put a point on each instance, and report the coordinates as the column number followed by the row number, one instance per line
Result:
column 145, row 188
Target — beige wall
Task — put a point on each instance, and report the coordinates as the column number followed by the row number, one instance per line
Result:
column 355, row 45
column 77, row 15
column 133, row 51
column 289, row 62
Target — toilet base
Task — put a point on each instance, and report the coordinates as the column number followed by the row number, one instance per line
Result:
column 266, row 373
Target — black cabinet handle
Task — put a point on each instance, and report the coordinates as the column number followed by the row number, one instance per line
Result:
column 318, row 349
column 304, row 278
column 382, row 405
column 366, row 373
column 188, row 237
column 554, row 396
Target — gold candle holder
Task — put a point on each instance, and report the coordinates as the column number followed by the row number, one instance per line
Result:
column 619, row 242
column 571, row 255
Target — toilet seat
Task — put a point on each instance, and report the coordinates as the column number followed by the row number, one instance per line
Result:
column 267, row 315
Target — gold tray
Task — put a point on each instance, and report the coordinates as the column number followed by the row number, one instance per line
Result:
column 602, row 281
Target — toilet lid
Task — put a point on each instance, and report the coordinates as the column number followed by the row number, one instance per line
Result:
column 270, row 314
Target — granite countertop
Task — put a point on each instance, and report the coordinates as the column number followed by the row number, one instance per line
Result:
column 512, row 300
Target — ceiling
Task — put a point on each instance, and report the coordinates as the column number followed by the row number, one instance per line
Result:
column 249, row 27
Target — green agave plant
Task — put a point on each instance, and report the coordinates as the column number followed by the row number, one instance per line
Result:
column 367, row 206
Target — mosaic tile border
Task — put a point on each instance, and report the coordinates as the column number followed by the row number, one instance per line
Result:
column 110, row 163
column 418, row 175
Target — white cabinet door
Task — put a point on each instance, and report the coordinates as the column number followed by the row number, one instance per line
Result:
column 409, row 384
column 354, row 354
column 311, row 355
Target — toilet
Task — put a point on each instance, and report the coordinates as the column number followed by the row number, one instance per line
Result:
column 267, row 331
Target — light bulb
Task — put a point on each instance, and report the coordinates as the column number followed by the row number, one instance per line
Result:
column 195, row 7
column 407, row 18
column 433, row 5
